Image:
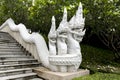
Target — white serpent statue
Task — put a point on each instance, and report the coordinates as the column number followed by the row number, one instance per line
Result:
column 64, row 53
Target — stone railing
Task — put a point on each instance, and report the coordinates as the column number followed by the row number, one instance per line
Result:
column 34, row 43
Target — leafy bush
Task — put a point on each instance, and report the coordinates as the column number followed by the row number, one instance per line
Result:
column 97, row 59
column 102, row 17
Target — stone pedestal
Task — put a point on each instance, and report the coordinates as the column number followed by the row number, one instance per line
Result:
column 49, row 75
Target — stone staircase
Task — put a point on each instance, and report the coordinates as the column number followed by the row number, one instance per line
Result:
column 15, row 62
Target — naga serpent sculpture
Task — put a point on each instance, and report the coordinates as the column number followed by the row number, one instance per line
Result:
column 68, row 36
column 64, row 53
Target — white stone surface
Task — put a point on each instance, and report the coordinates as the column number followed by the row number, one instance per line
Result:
column 50, row 75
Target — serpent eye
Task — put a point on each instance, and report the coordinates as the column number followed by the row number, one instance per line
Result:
column 53, row 39
column 63, row 33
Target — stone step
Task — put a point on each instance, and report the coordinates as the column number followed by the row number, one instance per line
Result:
column 4, row 40
column 18, row 76
column 13, row 50
column 14, row 53
column 15, row 71
column 3, row 43
column 7, row 62
column 7, row 41
column 7, row 38
column 18, row 60
column 18, row 52
column 15, row 56
column 15, row 62
column 36, row 79
column 12, row 43
column 9, row 47
column 18, row 66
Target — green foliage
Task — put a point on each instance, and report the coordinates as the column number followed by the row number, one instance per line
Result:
column 101, row 64
column 97, row 59
column 102, row 17
column 100, row 14
column 16, row 9
column 100, row 76
column 36, row 14
column 42, row 12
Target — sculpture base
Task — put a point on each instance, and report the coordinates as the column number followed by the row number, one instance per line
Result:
column 49, row 75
